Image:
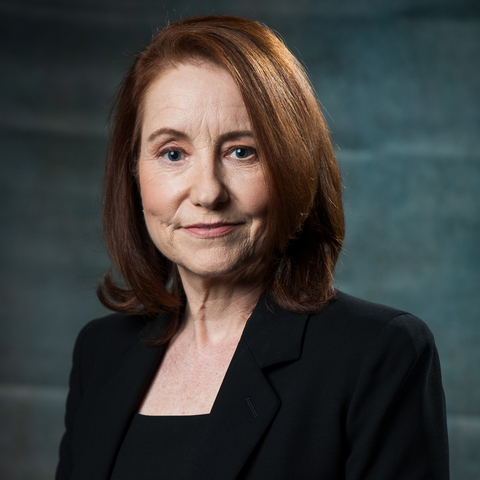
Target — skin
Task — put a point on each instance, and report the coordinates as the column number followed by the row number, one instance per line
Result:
column 205, row 203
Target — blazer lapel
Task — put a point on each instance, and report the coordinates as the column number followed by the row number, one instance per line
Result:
column 107, row 418
column 246, row 403
column 244, row 408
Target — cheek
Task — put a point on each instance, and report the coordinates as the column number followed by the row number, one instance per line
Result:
column 158, row 212
column 256, row 198
column 153, row 203
column 156, row 194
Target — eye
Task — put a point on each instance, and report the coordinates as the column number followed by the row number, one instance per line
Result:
column 173, row 155
column 242, row 153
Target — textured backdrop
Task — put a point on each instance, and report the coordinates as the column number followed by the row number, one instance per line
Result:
column 399, row 82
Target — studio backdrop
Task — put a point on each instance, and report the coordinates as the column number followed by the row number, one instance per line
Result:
column 399, row 85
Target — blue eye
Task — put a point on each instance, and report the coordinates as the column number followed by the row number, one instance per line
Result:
column 173, row 155
column 243, row 152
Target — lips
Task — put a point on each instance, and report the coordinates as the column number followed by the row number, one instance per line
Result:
column 210, row 230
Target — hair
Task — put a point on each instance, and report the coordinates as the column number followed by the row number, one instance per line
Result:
column 305, row 223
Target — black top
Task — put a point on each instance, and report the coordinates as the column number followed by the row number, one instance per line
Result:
column 352, row 392
column 159, row 447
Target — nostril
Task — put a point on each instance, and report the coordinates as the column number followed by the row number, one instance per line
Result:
column 208, row 189
column 209, row 197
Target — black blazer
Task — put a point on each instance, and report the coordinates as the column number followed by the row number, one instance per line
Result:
column 353, row 392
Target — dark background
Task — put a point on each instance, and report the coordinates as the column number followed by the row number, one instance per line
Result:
column 399, row 81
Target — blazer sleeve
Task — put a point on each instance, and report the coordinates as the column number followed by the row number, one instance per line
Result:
column 64, row 467
column 396, row 425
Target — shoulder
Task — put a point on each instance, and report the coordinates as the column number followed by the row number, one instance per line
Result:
column 102, row 342
column 348, row 313
column 354, row 329
column 115, row 330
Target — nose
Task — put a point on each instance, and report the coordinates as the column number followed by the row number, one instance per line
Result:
column 208, row 187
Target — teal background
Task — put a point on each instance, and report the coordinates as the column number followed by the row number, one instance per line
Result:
column 399, row 81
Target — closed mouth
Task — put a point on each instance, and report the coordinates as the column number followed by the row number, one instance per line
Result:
column 210, row 230
column 210, row 226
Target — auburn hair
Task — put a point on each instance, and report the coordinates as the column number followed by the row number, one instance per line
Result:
column 305, row 224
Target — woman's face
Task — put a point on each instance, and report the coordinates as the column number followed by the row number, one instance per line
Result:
column 203, row 189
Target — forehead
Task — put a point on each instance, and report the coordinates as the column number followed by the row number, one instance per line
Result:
column 190, row 90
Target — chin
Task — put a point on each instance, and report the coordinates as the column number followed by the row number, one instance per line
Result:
column 228, row 271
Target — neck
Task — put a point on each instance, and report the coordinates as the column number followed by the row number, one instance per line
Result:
column 217, row 310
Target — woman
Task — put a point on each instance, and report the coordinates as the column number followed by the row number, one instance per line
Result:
column 233, row 356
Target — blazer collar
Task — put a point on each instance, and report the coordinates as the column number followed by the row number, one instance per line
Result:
column 273, row 334
column 246, row 403
column 244, row 408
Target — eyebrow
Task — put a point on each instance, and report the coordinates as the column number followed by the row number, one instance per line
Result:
column 177, row 134
column 235, row 134
column 166, row 131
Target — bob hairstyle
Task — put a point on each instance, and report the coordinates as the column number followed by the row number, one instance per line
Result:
column 305, row 223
